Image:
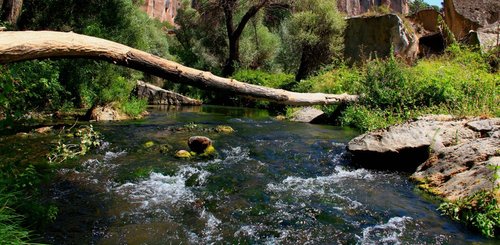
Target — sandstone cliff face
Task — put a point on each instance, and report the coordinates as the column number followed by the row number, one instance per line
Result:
column 357, row 7
column 373, row 36
column 10, row 10
column 163, row 10
column 477, row 18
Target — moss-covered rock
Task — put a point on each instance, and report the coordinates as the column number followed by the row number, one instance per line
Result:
column 224, row 129
column 149, row 144
column 183, row 154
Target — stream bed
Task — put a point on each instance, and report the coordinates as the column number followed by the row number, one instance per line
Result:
column 273, row 182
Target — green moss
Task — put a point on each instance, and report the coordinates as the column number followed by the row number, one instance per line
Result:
column 209, row 152
column 149, row 144
column 224, row 129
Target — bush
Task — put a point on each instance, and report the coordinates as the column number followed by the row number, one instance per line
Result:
column 480, row 210
column 460, row 83
column 29, row 85
column 273, row 80
column 82, row 82
column 134, row 107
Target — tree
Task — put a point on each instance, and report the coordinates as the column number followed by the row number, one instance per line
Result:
column 417, row 5
column 313, row 36
column 235, row 15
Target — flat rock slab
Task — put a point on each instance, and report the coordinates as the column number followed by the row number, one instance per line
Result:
column 450, row 156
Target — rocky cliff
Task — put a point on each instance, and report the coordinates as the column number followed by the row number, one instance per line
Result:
column 475, row 20
column 375, row 36
column 357, row 7
column 163, row 10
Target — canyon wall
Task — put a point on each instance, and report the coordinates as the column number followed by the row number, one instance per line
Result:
column 163, row 10
column 357, row 7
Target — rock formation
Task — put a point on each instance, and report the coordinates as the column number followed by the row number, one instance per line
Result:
column 450, row 157
column 373, row 36
column 477, row 21
column 163, row 10
column 357, row 7
column 431, row 39
column 158, row 96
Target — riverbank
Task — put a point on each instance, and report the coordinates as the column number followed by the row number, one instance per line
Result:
column 451, row 158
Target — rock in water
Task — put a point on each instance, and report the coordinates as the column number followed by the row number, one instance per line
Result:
column 308, row 115
column 449, row 157
column 183, row 154
column 199, row 144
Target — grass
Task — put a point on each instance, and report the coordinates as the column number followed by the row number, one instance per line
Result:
column 480, row 211
column 11, row 231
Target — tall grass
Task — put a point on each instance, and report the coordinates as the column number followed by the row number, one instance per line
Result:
column 459, row 83
column 11, row 231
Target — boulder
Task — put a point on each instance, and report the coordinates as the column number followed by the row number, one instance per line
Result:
column 479, row 18
column 199, row 144
column 158, row 96
column 375, row 36
column 105, row 113
column 449, row 157
column 308, row 115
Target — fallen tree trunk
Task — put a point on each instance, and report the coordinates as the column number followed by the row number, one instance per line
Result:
column 29, row 45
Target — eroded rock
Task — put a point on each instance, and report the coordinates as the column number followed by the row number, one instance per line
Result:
column 474, row 21
column 449, row 157
column 376, row 36
column 105, row 113
column 357, row 7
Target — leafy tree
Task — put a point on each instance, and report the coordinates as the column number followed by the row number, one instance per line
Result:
column 313, row 37
column 234, row 15
column 417, row 5
column 88, row 82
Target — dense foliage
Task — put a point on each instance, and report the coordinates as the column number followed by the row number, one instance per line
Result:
column 480, row 211
column 81, row 83
column 460, row 82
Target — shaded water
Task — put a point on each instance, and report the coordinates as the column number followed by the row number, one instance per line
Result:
column 273, row 182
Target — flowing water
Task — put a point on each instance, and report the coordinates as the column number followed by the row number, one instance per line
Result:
column 273, row 182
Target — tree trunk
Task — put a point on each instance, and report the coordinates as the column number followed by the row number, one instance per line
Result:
column 234, row 56
column 29, row 45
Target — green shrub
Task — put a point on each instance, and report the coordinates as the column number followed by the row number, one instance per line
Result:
column 459, row 83
column 480, row 210
column 273, row 80
column 342, row 79
column 134, row 107
column 29, row 85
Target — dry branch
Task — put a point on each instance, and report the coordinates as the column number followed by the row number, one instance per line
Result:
column 29, row 45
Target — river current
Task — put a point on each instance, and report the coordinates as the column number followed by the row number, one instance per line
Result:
column 273, row 182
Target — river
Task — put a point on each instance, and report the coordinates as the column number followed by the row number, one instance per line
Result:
column 273, row 182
